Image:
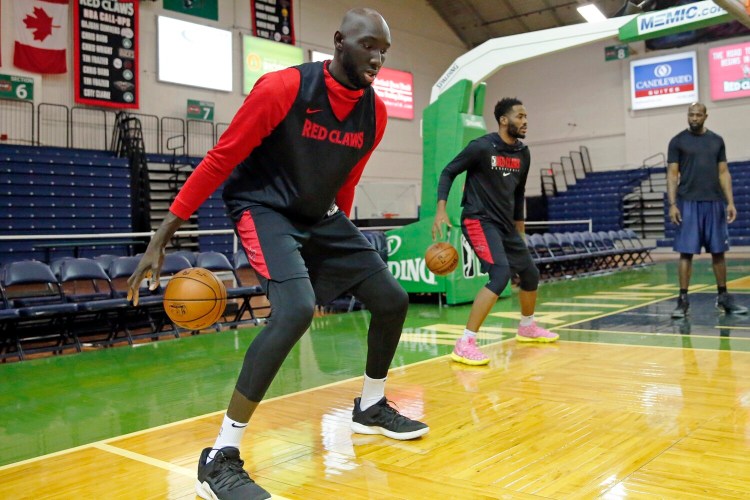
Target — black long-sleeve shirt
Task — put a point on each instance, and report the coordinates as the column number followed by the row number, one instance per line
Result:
column 496, row 175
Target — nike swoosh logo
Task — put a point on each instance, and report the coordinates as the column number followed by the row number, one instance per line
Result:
column 506, row 174
column 238, row 426
column 311, row 111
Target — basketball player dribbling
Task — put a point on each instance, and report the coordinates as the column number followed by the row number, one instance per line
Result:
column 293, row 155
column 492, row 221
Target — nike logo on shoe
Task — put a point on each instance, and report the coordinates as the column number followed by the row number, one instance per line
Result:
column 311, row 111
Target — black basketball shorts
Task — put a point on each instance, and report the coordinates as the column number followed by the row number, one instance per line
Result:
column 332, row 252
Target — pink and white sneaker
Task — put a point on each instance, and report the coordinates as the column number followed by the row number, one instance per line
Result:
column 467, row 352
column 535, row 333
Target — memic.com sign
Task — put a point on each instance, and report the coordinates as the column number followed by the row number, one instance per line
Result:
column 664, row 81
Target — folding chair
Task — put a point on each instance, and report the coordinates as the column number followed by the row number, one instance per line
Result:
column 44, row 316
column 581, row 260
column 190, row 256
column 564, row 261
column 218, row 262
column 8, row 319
column 607, row 247
column 100, row 312
column 242, row 266
column 587, row 247
column 627, row 256
column 644, row 252
column 150, row 309
column 548, row 263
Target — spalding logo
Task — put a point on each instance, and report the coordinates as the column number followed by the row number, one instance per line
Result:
column 177, row 309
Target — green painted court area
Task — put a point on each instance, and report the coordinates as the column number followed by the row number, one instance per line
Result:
column 60, row 402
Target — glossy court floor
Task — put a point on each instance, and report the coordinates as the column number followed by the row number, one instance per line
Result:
column 628, row 404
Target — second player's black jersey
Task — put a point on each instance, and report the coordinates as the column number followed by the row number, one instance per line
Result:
column 495, row 179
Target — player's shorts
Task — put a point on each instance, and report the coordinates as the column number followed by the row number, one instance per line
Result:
column 332, row 253
column 493, row 245
column 704, row 224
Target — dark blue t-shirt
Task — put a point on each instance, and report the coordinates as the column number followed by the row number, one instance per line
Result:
column 698, row 157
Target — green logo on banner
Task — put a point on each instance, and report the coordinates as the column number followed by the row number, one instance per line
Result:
column 261, row 56
column 16, row 87
column 207, row 9
column 200, row 110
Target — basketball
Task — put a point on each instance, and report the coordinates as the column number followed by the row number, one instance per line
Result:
column 195, row 298
column 441, row 258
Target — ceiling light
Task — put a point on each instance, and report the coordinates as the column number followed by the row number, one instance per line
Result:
column 591, row 13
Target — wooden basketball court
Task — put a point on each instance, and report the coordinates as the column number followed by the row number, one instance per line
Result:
column 627, row 405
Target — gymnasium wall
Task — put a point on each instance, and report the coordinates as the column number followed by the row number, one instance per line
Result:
column 422, row 44
column 575, row 98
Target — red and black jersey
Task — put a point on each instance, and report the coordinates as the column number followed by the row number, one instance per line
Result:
column 298, row 143
column 496, row 175
column 300, row 167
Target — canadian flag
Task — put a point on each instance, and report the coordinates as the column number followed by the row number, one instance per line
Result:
column 41, row 35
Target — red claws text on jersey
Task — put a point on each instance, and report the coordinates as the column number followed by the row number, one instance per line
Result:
column 312, row 130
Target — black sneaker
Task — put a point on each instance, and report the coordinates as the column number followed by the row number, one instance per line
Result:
column 725, row 302
column 223, row 478
column 381, row 418
column 682, row 307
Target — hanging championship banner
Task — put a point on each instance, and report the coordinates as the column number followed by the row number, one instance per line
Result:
column 272, row 19
column 105, row 35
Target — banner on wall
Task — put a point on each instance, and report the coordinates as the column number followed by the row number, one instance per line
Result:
column 207, row 9
column 729, row 71
column 396, row 89
column 41, row 35
column 263, row 56
column 105, row 38
column 664, row 81
column 272, row 20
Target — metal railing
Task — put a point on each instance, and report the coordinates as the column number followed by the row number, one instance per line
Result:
column 657, row 160
column 86, row 127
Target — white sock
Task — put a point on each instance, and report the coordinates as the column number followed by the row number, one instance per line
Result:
column 527, row 320
column 373, row 390
column 230, row 434
column 468, row 334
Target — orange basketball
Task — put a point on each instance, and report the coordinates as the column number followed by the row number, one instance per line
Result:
column 441, row 258
column 195, row 298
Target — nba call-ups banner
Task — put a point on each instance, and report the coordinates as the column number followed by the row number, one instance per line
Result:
column 105, row 34
column 272, row 20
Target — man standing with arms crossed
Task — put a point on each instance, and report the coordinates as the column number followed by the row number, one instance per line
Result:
column 699, row 189
column 293, row 155
column 492, row 221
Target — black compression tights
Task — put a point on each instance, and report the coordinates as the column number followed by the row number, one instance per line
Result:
column 292, row 308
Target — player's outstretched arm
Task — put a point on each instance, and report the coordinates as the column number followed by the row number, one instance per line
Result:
column 150, row 264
